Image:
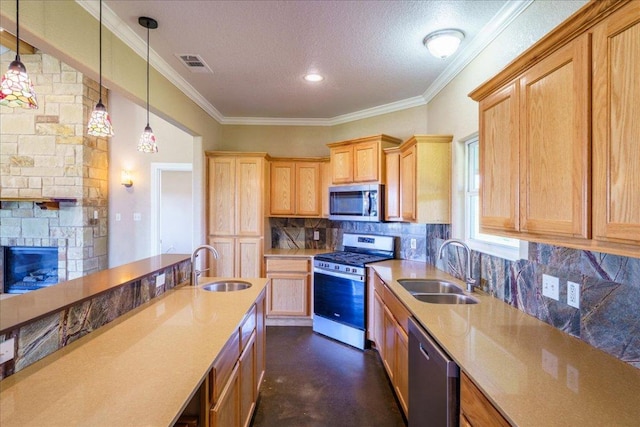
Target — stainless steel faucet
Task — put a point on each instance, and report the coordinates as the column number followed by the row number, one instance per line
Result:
column 470, row 281
column 194, row 272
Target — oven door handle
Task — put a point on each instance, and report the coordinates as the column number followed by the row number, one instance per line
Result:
column 330, row 273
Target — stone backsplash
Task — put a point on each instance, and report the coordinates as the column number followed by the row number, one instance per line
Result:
column 44, row 336
column 608, row 316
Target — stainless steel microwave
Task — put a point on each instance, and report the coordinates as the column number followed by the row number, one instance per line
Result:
column 356, row 203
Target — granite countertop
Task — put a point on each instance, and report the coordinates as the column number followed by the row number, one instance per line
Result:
column 140, row 369
column 533, row 373
column 275, row 252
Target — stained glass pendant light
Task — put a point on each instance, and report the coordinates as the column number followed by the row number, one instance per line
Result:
column 99, row 122
column 147, row 143
column 16, row 89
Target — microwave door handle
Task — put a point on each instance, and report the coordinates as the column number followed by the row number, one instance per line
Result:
column 366, row 208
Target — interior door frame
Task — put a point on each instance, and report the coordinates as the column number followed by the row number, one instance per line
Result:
column 156, row 187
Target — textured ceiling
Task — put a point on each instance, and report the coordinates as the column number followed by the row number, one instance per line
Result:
column 370, row 52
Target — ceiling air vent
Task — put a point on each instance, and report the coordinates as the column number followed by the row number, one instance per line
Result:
column 194, row 63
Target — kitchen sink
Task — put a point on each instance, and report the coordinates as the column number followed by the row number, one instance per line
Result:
column 226, row 286
column 446, row 298
column 429, row 286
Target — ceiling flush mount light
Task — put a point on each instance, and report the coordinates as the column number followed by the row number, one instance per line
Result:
column 147, row 143
column 99, row 122
column 313, row 77
column 443, row 43
column 16, row 89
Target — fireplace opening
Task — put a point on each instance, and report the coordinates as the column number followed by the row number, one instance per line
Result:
column 27, row 268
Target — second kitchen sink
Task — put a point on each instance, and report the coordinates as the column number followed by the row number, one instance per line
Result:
column 429, row 286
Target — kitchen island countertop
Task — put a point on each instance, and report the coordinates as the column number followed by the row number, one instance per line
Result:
column 535, row 374
column 140, row 369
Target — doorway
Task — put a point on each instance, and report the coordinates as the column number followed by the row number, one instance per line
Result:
column 171, row 208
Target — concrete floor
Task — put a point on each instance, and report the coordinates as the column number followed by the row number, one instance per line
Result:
column 313, row 381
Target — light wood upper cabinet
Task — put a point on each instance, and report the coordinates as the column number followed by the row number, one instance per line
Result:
column 555, row 148
column 425, row 179
column 236, row 186
column 282, row 188
column 499, row 157
column 566, row 109
column 360, row 160
column 616, row 127
column 222, row 195
column 392, row 187
column 296, row 188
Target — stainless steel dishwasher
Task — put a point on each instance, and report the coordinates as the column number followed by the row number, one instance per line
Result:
column 434, row 382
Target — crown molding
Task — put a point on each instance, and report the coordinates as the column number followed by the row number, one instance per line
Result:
column 489, row 32
column 121, row 30
column 505, row 16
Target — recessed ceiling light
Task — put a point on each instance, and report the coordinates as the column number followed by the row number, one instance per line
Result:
column 313, row 77
column 443, row 43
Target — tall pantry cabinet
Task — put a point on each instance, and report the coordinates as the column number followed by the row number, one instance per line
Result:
column 236, row 208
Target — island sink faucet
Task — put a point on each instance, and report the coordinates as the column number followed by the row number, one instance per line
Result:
column 470, row 281
column 194, row 272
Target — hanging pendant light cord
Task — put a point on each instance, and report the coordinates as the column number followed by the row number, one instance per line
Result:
column 100, row 53
column 17, row 30
column 147, row 76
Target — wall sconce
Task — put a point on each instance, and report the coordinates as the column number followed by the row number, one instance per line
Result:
column 125, row 178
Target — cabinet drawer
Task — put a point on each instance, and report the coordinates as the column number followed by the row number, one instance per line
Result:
column 247, row 328
column 223, row 367
column 287, row 264
column 397, row 309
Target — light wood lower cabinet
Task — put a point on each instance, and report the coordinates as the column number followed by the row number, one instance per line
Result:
column 239, row 257
column 388, row 323
column 289, row 291
column 475, row 408
column 233, row 383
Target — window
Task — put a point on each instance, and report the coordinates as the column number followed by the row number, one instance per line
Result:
column 503, row 247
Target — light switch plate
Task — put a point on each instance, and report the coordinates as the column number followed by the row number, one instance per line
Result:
column 550, row 287
column 414, row 244
column 160, row 280
column 7, row 350
column 316, row 235
column 137, row 216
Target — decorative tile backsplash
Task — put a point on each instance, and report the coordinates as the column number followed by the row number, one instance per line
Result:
column 608, row 317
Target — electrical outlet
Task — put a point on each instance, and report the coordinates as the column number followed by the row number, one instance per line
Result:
column 6, row 350
column 316, row 235
column 118, row 217
column 573, row 294
column 550, row 287
column 160, row 280
column 413, row 243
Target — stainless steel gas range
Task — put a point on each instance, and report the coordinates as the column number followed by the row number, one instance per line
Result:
column 339, row 281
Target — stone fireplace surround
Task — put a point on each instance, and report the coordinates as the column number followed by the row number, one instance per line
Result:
column 46, row 153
